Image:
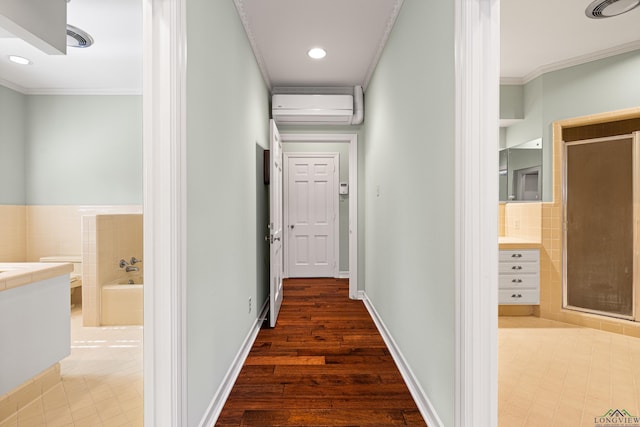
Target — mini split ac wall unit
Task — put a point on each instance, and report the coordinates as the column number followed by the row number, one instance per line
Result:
column 303, row 109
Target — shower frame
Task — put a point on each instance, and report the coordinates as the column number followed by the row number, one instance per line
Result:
column 635, row 138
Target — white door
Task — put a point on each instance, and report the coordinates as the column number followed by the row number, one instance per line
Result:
column 311, row 215
column 275, row 224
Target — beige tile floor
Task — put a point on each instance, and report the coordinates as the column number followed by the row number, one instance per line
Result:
column 101, row 381
column 555, row 374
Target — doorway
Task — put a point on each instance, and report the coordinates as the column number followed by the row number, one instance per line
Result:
column 311, row 214
column 347, row 146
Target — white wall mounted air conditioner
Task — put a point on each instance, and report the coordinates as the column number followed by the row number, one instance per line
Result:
column 303, row 109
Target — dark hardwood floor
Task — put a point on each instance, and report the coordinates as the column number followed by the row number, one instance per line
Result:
column 324, row 364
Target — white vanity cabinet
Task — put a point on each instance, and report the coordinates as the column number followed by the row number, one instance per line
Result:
column 519, row 276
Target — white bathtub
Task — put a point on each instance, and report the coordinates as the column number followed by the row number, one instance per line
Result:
column 122, row 303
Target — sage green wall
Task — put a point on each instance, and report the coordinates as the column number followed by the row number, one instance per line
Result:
column 511, row 102
column 343, row 150
column 409, row 185
column 83, row 150
column 227, row 115
column 12, row 140
column 595, row 87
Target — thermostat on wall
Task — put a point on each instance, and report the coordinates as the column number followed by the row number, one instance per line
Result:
column 344, row 188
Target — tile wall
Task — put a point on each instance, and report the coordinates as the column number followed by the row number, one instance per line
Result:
column 13, row 233
column 57, row 230
column 106, row 239
column 31, row 232
column 523, row 220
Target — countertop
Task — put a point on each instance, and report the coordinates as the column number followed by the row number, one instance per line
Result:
column 14, row 274
column 506, row 242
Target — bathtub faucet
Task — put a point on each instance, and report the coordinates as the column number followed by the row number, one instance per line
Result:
column 128, row 267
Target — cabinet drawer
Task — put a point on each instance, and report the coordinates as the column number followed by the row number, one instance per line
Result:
column 518, row 267
column 518, row 281
column 518, row 296
column 519, row 255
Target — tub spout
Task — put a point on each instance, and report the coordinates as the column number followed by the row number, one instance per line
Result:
column 129, row 268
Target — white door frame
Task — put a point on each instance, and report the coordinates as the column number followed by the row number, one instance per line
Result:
column 285, row 192
column 352, row 140
column 477, row 59
column 165, row 212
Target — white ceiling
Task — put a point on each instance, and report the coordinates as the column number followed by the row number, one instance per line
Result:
column 112, row 65
column 543, row 35
column 352, row 32
column 536, row 36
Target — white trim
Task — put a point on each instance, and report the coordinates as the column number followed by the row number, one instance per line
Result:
column 164, row 162
column 352, row 140
column 252, row 41
column 13, row 86
column 343, row 274
column 214, row 409
column 571, row 62
column 72, row 91
column 477, row 60
column 336, row 208
column 383, row 41
column 422, row 400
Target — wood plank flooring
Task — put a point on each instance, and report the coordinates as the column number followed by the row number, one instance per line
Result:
column 324, row 364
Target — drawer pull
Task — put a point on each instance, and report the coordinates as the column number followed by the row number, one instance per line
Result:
column 516, row 267
column 516, row 281
column 516, row 255
column 516, row 296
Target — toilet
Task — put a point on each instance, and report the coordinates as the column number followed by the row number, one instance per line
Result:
column 76, row 274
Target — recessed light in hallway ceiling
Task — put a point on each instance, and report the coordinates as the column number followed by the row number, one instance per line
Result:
column 608, row 8
column 317, row 53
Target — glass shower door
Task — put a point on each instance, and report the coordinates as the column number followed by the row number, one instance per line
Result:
column 599, row 225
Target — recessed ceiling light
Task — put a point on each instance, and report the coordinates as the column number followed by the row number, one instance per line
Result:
column 19, row 60
column 608, row 8
column 317, row 53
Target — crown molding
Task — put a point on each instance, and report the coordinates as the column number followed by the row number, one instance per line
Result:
column 571, row 62
column 252, row 41
column 12, row 86
column 67, row 91
column 383, row 42
column 72, row 91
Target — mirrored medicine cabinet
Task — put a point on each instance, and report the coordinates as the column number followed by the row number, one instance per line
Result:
column 520, row 172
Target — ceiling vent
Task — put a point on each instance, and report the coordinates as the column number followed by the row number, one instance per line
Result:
column 77, row 37
column 607, row 8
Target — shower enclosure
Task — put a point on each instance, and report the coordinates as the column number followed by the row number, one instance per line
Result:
column 600, row 224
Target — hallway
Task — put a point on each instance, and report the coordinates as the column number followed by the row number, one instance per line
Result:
column 323, row 364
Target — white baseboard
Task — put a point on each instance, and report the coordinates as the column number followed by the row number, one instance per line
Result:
column 422, row 400
column 217, row 403
column 343, row 275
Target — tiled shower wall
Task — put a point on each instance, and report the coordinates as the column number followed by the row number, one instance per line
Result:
column 106, row 239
